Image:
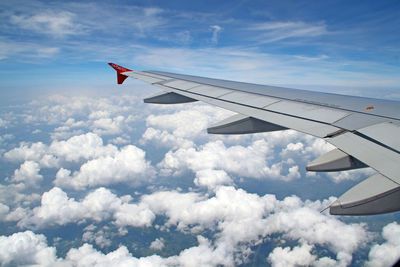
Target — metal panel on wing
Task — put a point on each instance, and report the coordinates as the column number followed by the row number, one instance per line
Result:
column 211, row 91
column 306, row 126
column 308, row 111
column 179, row 84
column 254, row 100
column 144, row 78
column 387, row 133
column 372, row 154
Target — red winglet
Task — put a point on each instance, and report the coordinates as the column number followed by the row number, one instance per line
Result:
column 120, row 77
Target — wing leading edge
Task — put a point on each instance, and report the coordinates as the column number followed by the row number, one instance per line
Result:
column 364, row 130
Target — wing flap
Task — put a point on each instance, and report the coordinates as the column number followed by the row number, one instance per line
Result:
column 357, row 121
column 370, row 153
column 386, row 133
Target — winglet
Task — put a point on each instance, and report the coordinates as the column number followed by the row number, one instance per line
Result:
column 120, row 77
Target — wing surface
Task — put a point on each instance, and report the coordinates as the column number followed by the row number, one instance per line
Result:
column 365, row 131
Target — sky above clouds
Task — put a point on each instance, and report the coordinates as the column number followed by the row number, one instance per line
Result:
column 90, row 175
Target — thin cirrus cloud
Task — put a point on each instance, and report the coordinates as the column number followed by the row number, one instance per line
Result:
column 57, row 24
column 277, row 31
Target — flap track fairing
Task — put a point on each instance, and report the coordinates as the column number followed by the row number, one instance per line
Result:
column 168, row 98
column 240, row 124
column 333, row 161
column 374, row 195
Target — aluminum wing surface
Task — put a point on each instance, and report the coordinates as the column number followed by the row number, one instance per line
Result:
column 364, row 131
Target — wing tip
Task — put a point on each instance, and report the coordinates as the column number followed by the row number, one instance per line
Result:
column 120, row 77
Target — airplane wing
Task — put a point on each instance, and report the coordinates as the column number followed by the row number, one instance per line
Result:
column 364, row 131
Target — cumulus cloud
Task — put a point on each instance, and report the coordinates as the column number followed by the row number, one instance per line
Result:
column 234, row 215
column 172, row 129
column 77, row 148
column 240, row 217
column 126, row 165
column 157, row 244
column 106, row 164
column 26, row 151
column 28, row 174
column 26, row 248
column 387, row 253
column 251, row 161
column 99, row 237
column 85, row 146
column 3, row 210
column 57, row 208
column 287, row 257
column 354, row 175
column 72, row 114
column 212, row 178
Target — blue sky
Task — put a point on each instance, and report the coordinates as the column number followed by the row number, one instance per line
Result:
column 335, row 44
column 89, row 174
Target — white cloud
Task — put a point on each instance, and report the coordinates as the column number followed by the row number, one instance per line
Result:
column 85, row 146
column 86, row 255
column 26, row 248
column 58, row 209
column 277, row 31
column 28, row 174
column 205, row 254
column 251, row 161
column 105, row 164
column 287, row 257
column 77, row 148
column 57, row 24
column 387, row 253
column 157, row 244
column 32, row 152
column 99, row 238
column 172, row 129
column 212, row 178
column 353, row 175
column 3, row 123
column 108, row 125
column 126, row 165
column 240, row 217
column 4, row 209
column 102, row 115
column 216, row 29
